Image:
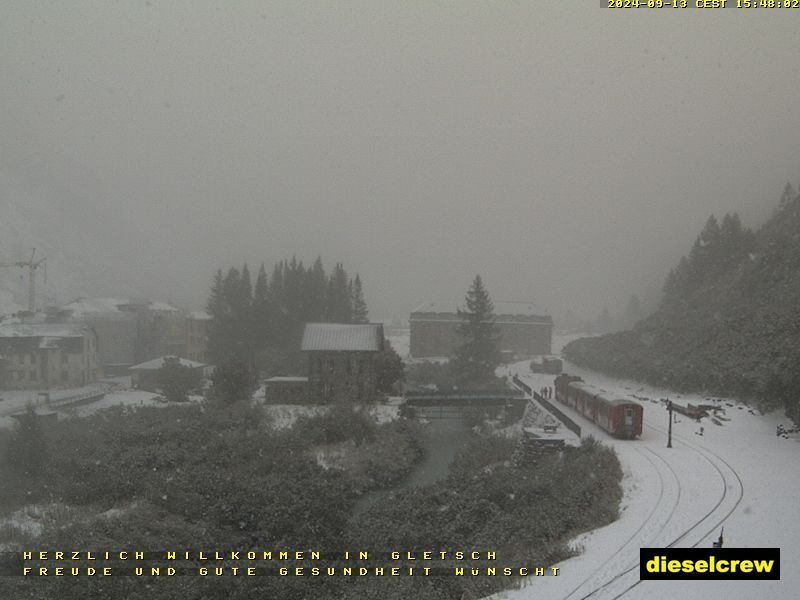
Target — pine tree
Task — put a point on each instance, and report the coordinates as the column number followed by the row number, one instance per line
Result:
column 315, row 292
column 177, row 380
column 231, row 289
column 215, row 299
column 245, row 295
column 232, row 381
column 478, row 356
column 260, row 291
column 389, row 369
column 27, row 452
column 338, row 304
column 788, row 196
column 360, row 313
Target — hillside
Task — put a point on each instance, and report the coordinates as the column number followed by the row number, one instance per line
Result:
column 729, row 322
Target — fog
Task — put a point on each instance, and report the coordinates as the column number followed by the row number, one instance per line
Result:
column 567, row 152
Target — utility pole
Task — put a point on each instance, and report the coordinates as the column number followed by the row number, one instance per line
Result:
column 669, row 430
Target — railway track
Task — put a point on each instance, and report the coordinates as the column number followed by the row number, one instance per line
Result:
column 666, row 504
column 677, row 518
column 696, row 533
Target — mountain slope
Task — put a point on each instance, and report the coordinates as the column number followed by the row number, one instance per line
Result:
column 729, row 322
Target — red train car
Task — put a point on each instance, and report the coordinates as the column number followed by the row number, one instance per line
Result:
column 620, row 418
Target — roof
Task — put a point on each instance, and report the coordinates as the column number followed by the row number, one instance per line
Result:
column 357, row 337
column 162, row 306
column 595, row 391
column 51, row 330
column 200, row 315
column 284, row 379
column 521, row 311
column 157, row 363
column 85, row 306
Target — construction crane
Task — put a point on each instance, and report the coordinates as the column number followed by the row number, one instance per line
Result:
column 32, row 265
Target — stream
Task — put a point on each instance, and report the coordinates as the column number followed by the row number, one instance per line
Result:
column 441, row 441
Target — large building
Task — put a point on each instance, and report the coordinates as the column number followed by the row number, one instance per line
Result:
column 524, row 331
column 342, row 361
column 47, row 355
column 131, row 332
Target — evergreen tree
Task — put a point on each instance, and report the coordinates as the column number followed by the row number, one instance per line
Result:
column 245, row 296
column 360, row 313
column 389, row 368
column 231, row 291
column 232, row 381
column 339, row 306
column 315, row 292
column 177, row 380
column 788, row 196
column 478, row 356
column 215, row 299
column 27, row 451
column 703, row 258
column 261, row 288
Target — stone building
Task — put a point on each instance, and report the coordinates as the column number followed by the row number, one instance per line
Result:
column 47, row 355
column 342, row 361
column 524, row 331
column 130, row 332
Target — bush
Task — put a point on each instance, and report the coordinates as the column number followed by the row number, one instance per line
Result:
column 177, row 380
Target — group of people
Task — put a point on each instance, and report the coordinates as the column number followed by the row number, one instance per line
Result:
column 546, row 392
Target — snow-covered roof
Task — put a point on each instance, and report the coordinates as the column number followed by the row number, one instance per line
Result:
column 84, row 306
column 595, row 391
column 200, row 315
column 162, row 306
column 525, row 310
column 47, row 330
column 359, row 337
column 157, row 363
column 282, row 379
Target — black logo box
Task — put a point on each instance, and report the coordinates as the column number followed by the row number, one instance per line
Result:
column 663, row 556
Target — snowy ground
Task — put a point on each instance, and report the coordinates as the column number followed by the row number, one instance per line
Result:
column 738, row 474
column 15, row 401
column 116, row 392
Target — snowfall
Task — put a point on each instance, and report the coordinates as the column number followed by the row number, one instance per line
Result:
column 738, row 475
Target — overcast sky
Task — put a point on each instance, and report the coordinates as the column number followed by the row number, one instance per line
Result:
column 568, row 153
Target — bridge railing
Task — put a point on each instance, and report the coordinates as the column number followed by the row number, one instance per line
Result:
column 552, row 408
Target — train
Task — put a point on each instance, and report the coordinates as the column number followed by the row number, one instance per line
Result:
column 547, row 364
column 620, row 418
